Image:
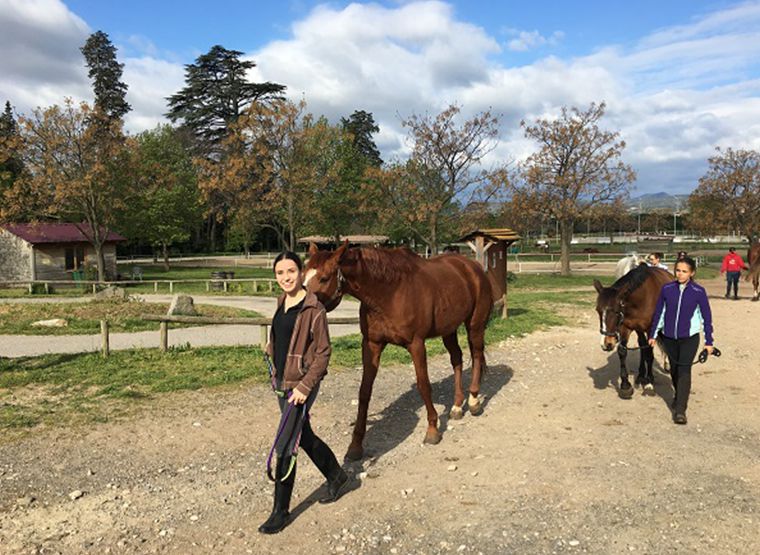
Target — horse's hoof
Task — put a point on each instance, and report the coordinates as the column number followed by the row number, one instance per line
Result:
column 755, row 299
column 626, row 392
column 354, row 453
column 475, row 410
column 456, row 413
column 648, row 389
column 432, row 439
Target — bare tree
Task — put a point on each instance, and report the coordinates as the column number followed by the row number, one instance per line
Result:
column 728, row 195
column 577, row 166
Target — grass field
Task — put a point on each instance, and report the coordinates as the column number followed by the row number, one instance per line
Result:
column 62, row 390
column 84, row 317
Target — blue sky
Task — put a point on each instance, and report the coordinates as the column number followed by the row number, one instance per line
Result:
column 679, row 77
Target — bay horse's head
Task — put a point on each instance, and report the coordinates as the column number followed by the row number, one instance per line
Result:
column 322, row 275
column 610, row 306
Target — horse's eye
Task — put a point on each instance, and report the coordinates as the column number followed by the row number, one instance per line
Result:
column 324, row 279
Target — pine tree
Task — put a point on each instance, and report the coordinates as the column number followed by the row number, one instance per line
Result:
column 105, row 72
column 216, row 92
column 362, row 126
column 11, row 165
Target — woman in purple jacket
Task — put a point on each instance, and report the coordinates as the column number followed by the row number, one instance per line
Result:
column 682, row 311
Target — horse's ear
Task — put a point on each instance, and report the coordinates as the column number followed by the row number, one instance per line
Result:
column 341, row 252
column 312, row 248
column 598, row 286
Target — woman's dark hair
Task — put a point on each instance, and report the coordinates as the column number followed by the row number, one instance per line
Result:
column 288, row 255
column 689, row 261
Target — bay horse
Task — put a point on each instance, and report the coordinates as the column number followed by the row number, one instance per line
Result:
column 753, row 260
column 628, row 306
column 405, row 300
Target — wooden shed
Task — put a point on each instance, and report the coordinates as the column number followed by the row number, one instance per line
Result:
column 491, row 247
column 50, row 251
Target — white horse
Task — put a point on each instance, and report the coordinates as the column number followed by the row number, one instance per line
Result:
column 626, row 264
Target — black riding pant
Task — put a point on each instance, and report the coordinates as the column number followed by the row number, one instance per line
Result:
column 732, row 279
column 681, row 353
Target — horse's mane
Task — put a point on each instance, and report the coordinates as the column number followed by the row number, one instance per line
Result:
column 633, row 279
column 388, row 265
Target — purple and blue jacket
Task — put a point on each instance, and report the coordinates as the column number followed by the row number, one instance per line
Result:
column 682, row 311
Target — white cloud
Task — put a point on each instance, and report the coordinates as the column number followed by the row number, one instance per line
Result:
column 528, row 40
column 674, row 95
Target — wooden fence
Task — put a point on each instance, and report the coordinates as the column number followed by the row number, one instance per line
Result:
column 270, row 285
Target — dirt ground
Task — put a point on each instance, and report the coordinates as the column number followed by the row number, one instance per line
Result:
column 557, row 463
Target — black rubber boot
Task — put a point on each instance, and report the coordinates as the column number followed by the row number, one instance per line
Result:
column 335, row 487
column 282, row 493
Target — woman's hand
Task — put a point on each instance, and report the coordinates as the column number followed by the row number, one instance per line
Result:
column 652, row 342
column 297, row 398
column 709, row 349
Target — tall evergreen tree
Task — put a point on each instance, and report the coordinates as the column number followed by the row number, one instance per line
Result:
column 11, row 164
column 362, row 126
column 105, row 72
column 216, row 92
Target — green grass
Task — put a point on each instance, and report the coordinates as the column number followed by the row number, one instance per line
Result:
column 85, row 317
column 65, row 389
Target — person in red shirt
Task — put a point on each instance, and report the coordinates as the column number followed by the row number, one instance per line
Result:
column 732, row 266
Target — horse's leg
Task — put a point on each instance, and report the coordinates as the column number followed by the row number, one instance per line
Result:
column 756, row 284
column 476, row 340
column 371, row 352
column 455, row 354
column 419, row 356
column 641, row 376
column 626, row 390
column 645, row 364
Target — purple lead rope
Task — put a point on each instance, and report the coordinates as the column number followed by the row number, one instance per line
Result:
column 283, row 423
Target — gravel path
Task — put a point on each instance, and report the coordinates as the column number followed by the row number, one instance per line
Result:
column 557, row 463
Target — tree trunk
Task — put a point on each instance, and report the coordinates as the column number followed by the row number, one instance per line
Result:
column 101, row 261
column 566, row 235
column 212, row 233
column 165, row 251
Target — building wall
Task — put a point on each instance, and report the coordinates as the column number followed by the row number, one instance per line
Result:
column 15, row 258
column 51, row 260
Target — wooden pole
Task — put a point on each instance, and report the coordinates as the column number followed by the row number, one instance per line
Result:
column 171, row 287
column 104, row 344
column 264, row 337
column 155, row 287
column 164, row 336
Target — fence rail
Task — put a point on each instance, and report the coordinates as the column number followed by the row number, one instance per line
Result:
column 270, row 284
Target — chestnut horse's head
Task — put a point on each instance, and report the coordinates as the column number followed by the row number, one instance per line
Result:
column 322, row 275
column 611, row 310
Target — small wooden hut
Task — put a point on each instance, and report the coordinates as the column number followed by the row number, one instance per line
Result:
column 491, row 247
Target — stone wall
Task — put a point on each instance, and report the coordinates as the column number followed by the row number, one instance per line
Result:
column 15, row 258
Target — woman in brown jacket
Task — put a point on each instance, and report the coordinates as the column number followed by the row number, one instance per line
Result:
column 299, row 346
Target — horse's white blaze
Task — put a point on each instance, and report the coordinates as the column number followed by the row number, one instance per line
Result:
column 604, row 321
column 310, row 274
column 601, row 340
column 473, row 400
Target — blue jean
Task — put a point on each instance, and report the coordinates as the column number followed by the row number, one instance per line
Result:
column 732, row 278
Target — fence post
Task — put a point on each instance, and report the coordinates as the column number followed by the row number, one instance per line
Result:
column 270, row 285
column 171, row 287
column 94, row 288
column 164, row 327
column 255, row 286
column 155, row 287
column 47, row 288
column 104, row 345
column 208, row 287
column 264, row 337
column 225, row 286
column 31, row 288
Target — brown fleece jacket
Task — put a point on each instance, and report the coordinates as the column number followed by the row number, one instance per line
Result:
column 309, row 350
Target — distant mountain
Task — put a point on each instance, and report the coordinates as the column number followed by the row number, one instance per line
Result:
column 658, row 200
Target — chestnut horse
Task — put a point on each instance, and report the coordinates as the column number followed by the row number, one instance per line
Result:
column 628, row 306
column 406, row 299
column 753, row 260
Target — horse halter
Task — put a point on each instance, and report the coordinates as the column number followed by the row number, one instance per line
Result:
column 621, row 317
column 339, row 288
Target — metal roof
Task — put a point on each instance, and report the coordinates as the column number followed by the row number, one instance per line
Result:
column 39, row 233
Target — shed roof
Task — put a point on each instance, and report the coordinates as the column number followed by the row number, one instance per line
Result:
column 494, row 234
column 38, row 233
